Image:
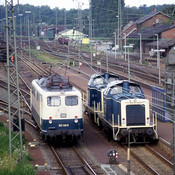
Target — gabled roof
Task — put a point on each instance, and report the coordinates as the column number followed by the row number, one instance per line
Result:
column 64, row 31
column 163, row 43
column 144, row 18
column 150, row 15
column 68, row 31
column 151, row 31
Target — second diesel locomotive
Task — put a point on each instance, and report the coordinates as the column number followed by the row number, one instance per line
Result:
column 119, row 107
column 57, row 108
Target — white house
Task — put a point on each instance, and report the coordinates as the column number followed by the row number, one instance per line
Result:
column 71, row 34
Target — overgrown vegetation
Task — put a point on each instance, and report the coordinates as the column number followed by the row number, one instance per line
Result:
column 8, row 165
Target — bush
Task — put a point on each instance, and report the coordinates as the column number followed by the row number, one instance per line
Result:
column 8, row 165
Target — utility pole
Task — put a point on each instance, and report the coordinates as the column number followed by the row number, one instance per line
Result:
column 90, row 30
column 130, row 46
column 158, row 57
column 115, row 43
column 56, row 24
column 125, row 45
column 15, row 142
column 158, row 51
column 28, row 12
column 140, row 48
column 107, row 67
column 80, row 30
column 65, row 20
column 119, row 26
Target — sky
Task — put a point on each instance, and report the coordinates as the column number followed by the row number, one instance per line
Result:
column 68, row 4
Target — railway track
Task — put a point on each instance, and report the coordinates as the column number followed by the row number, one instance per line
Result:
column 71, row 161
column 144, row 159
column 140, row 75
column 75, row 164
column 153, row 161
column 153, row 170
column 120, row 68
column 84, row 168
column 34, row 67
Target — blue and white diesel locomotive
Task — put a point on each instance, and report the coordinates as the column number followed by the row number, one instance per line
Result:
column 57, row 108
column 119, row 107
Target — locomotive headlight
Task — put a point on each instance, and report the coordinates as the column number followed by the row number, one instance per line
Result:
column 123, row 121
column 50, row 120
column 76, row 120
column 148, row 120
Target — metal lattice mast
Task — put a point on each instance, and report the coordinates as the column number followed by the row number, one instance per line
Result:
column 15, row 138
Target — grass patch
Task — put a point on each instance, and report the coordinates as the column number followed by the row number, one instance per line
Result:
column 45, row 57
column 85, row 48
column 8, row 165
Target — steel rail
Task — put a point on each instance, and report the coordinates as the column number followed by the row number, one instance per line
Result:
column 166, row 161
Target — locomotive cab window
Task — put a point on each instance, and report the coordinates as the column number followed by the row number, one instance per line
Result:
column 53, row 101
column 116, row 90
column 71, row 100
column 135, row 90
column 98, row 81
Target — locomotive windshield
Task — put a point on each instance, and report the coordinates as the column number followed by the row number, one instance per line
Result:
column 135, row 90
column 71, row 100
column 53, row 101
column 120, row 89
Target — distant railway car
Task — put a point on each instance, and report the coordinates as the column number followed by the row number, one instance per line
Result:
column 63, row 40
column 121, row 109
column 3, row 51
column 57, row 108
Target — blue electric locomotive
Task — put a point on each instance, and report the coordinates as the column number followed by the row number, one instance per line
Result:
column 120, row 107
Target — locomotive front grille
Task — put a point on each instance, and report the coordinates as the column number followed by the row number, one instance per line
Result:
column 135, row 115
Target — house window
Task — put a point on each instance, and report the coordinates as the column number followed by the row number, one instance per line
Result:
column 157, row 21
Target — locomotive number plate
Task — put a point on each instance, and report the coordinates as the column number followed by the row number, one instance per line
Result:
column 63, row 125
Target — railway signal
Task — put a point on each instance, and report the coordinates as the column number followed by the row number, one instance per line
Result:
column 113, row 155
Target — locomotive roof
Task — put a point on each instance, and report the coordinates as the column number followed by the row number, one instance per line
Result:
column 106, row 79
column 124, row 92
column 54, row 83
